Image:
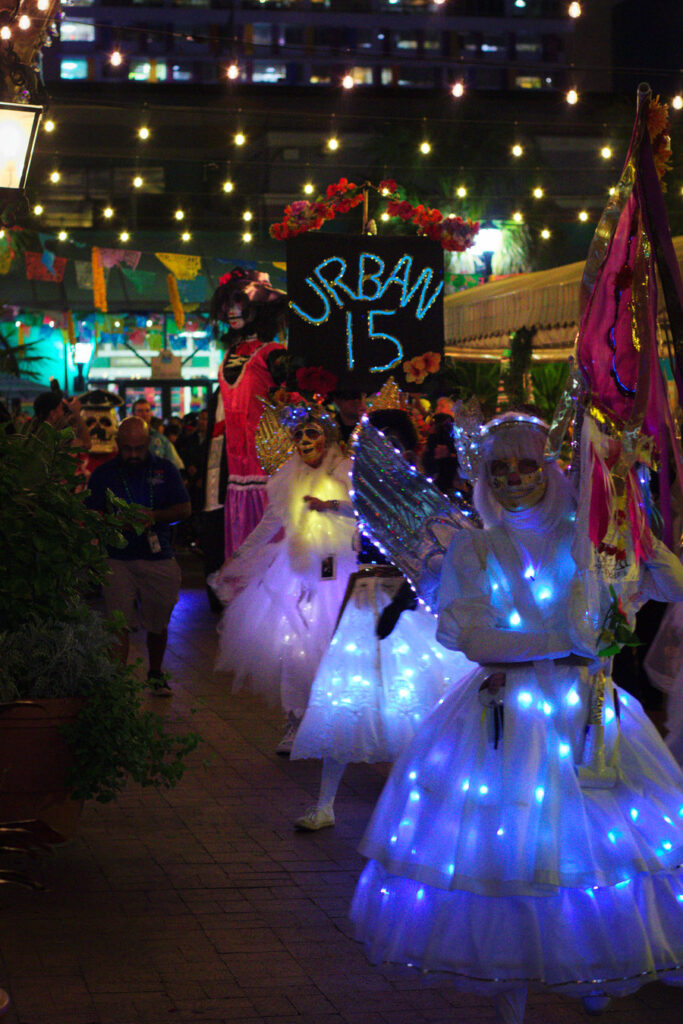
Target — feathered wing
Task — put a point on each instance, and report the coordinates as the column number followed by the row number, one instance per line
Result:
column 403, row 512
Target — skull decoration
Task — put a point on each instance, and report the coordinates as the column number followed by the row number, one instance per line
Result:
column 101, row 417
column 310, row 442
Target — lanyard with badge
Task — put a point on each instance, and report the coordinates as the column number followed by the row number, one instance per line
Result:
column 152, row 535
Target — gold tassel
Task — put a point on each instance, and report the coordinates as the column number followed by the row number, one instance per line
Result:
column 176, row 304
column 99, row 287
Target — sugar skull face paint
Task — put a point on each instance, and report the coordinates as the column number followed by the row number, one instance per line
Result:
column 309, row 440
column 517, row 483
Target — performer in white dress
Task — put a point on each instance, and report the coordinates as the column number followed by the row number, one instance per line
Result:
column 511, row 846
column 369, row 694
column 283, row 593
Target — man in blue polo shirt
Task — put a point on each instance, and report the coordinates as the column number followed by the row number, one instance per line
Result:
column 144, row 580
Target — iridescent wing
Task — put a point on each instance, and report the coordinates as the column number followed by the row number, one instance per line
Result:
column 403, row 512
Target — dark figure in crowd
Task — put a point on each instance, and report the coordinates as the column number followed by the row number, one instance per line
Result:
column 144, row 580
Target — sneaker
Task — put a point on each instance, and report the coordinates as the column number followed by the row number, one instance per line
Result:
column 595, row 1003
column 287, row 742
column 315, row 818
column 159, row 684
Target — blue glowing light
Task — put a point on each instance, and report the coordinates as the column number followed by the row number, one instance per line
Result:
column 525, row 699
column 414, row 796
column 612, row 835
column 667, row 845
column 351, row 647
column 545, row 707
column 483, row 790
column 573, row 697
column 544, row 593
column 412, row 775
column 609, row 715
column 500, row 832
column 539, row 793
column 465, row 785
column 565, row 750
column 420, row 894
column 529, row 573
column 514, row 619
column 635, row 814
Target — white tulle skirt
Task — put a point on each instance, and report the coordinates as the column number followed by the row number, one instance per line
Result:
column 273, row 634
column 493, row 863
column 369, row 696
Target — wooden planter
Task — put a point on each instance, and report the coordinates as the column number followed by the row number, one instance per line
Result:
column 34, row 761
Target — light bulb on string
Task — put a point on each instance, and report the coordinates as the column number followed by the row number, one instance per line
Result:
column 55, row 177
column 517, row 149
column 185, row 237
column 348, row 82
column 425, row 147
column 247, row 215
column 228, row 186
column 124, row 236
column 62, row 236
column 606, row 153
column 247, row 236
column 677, row 102
column 24, row 22
column 385, row 216
column 138, row 182
column 43, row 5
column 538, row 192
column 458, row 90
column 309, row 188
column 5, row 33
column 572, row 97
column 518, row 217
column 143, row 132
column 461, row 191
column 38, row 209
column 545, row 234
column 574, row 9
column 108, row 212
column 232, row 71
column 240, row 139
column 116, row 58
column 583, row 215
column 49, row 125
column 179, row 214
column 333, row 143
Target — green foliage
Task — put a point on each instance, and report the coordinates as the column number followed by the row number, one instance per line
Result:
column 52, row 644
column 480, row 380
column 547, row 382
column 53, row 547
column 515, row 377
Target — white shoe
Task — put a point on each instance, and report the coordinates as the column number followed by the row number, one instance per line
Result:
column 315, row 818
column 595, row 1003
column 287, row 742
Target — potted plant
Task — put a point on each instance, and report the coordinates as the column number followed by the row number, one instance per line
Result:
column 73, row 722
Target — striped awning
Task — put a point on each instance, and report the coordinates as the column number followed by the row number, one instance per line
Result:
column 478, row 322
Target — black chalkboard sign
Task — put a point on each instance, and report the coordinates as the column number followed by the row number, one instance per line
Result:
column 363, row 306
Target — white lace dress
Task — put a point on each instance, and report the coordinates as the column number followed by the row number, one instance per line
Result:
column 284, row 586
column 491, row 860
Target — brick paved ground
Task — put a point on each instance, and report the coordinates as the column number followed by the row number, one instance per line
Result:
column 204, row 905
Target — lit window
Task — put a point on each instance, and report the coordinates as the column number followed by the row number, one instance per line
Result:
column 528, row 81
column 73, row 68
column 76, row 31
column 268, row 71
column 147, row 71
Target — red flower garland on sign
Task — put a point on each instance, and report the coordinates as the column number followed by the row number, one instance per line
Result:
column 452, row 233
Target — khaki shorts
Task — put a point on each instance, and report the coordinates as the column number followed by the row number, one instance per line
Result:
column 145, row 591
